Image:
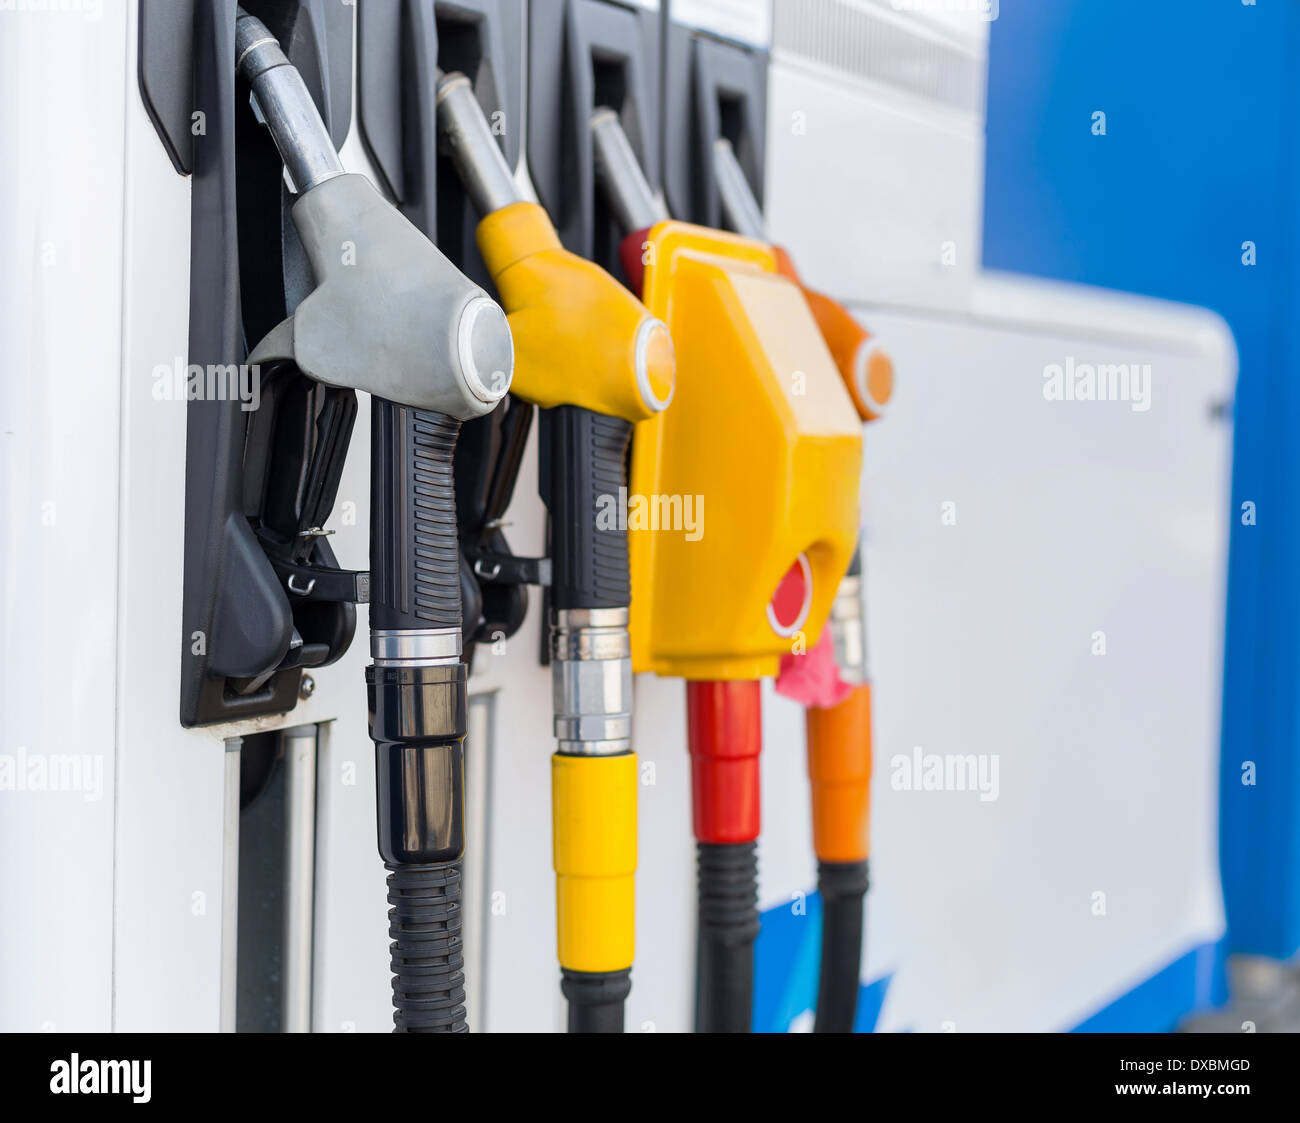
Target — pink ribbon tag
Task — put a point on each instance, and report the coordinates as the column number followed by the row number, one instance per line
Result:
column 813, row 679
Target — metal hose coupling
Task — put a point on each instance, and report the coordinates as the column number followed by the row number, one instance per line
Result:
column 591, row 679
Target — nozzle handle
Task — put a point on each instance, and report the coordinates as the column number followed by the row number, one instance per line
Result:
column 414, row 550
column 584, row 477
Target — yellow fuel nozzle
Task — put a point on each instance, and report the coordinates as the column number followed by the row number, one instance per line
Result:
column 591, row 354
column 581, row 338
column 763, row 446
column 839, row 734
column 742, row 517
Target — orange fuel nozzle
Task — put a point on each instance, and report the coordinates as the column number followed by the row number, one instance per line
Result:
column 867, row 370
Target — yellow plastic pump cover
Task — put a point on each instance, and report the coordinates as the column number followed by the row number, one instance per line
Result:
column 753, row 471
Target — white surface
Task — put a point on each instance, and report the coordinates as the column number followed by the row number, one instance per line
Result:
column 967, row 19
column 61, row 330
column 745, row 21
column 881, row 190
column 1073, row 518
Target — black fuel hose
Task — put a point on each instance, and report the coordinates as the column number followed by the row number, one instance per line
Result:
column 418, row 711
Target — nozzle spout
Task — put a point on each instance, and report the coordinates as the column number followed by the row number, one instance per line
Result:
column 286, row 108
column 473, row 148
column 619, row 174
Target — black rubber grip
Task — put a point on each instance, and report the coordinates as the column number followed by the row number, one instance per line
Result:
column 728, row 926
column 414, row 550
column 428, row 960
column 584, row 466
column 843, row 889
column 596, row 999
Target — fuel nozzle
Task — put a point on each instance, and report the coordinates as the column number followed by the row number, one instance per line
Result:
column 838, row 740
column 390, row 315
column 838, row 736
column 589, row 353
column 866, row 368
column 465, row 136
column 581, row 339
column 705, row 609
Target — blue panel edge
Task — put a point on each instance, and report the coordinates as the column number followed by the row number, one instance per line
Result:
column 787, row 952
column 1195, row 981
column 786, row 958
